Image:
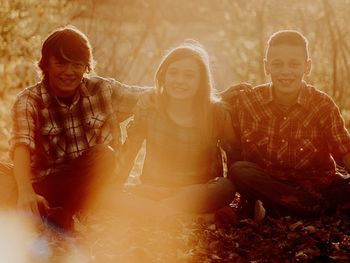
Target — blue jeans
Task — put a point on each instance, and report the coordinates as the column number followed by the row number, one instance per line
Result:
column 70, row 190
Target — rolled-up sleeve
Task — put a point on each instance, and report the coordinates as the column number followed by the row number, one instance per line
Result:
column 23, row 124
column 337, row 134
column 136, row 133
column 125, row 97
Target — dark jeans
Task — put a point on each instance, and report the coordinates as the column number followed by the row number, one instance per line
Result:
column 254, row 183
column 71, row 190
column 197, row 198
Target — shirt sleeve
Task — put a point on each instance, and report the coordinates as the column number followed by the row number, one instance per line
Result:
column 136, row 133
column 125, row 98
column 337, row 135
column 227, row 135
column 23, row 124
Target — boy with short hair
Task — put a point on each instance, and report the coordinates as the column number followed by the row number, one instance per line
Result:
column 66, row 130
column 291, row 135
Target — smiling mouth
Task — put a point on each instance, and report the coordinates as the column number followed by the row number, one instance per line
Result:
column 68, row 81
column 286, row 81
column 180, row 88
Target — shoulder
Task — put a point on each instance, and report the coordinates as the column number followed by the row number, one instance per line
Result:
column 221, row 111
column 95, row 84
column 262, row 88
column 253, row 99
column 31, row 94
column 147, row 112
column 257, row 93
column 317, row 97
column 260, row 92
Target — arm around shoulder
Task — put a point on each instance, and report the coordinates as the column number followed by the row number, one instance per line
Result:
column 346, row 162
column 229, row 140
column 136, row 134
column 127, row 96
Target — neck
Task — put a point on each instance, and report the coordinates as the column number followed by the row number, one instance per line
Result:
column 286, row 100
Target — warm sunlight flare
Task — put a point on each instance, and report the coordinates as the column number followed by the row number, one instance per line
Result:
column 151, row 131
column 18, row 237
column 25, row 240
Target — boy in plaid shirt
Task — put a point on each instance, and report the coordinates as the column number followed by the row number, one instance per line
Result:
column 291, row 136
column 66, row 130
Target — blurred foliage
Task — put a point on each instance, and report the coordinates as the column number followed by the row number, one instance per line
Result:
column 23, row 25
column 130, row 37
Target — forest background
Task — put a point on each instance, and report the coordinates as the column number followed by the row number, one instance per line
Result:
column 130, row 37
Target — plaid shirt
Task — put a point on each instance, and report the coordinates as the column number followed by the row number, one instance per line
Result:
column 300, row 144
column 57, row 133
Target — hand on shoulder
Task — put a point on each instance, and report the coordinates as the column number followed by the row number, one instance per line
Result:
column 229, row 93
column 148, row 99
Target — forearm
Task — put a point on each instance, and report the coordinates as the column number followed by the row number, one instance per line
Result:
column 346, row 162
column 229, row 141
column 22, row 171
column 128, row 154
column 126, row 98
column 27, row 198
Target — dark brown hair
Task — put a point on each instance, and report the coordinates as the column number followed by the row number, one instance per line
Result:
column 66, row 44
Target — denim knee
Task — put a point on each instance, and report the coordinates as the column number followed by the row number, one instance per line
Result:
column 225, row 190
column 240, row 169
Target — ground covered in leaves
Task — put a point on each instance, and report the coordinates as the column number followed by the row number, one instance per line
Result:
column 136, row 240
column 326, row 239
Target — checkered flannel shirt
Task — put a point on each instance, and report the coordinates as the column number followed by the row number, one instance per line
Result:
column 57, row 133
column 297, row 144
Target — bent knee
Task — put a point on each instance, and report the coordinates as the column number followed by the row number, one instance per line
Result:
column 225, row 188
column 241, row 169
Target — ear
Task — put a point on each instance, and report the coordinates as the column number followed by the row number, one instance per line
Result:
column 266, row 67
column 308, row 67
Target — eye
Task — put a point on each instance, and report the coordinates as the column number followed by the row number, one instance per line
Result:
column 171, row 73
column 276, row 64
column 60, row 63
column 295, row 64
column 189, row 75
column 78, row 65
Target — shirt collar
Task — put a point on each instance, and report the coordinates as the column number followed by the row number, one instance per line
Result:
column 84, row 92
column 302, row 99
column 48, row 97
column 304, row 95
column 267, row 97
column 45, row 94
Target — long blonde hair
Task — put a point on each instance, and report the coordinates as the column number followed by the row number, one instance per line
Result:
column 204, row 97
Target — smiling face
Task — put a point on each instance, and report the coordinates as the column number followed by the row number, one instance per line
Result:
column 182, row 79
column 287, row 65
column 64, row 76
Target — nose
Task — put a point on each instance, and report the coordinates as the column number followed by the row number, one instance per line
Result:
column 180, row 78
column 286, row 70
column 69, row 68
